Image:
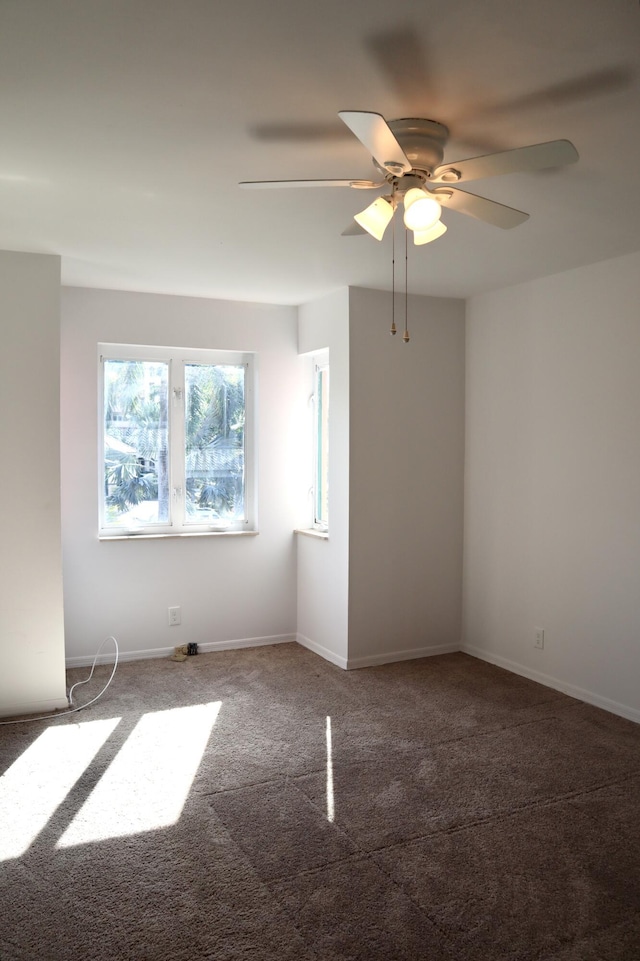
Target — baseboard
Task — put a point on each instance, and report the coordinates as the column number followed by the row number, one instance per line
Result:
column 207, row 647
column 622, row 710
column 390, row 657
column 210, row 646
column 322, row 651
column 45, row 706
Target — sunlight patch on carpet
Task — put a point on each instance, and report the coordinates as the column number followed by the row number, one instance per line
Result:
column 37, row 783
column 148, row 782
column 331, row 812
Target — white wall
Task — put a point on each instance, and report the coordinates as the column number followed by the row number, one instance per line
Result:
column 322, row 585
column 553, row 481
column 552, row 468
column 231, row 590
column 406, row 478
column 31, row 626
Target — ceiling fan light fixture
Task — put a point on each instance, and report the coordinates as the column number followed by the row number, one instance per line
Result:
column 426, row 236
column 421, row 211
column 376, row 217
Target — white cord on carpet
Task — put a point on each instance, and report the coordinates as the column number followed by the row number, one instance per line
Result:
column 74, row 710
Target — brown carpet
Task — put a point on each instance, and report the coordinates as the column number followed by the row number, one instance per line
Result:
column 466, row 814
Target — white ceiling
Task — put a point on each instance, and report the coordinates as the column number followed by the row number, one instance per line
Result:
column 126, row 126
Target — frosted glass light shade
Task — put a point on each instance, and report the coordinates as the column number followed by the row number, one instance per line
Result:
column 420, row 210
column 375, row 218
column 426, row 236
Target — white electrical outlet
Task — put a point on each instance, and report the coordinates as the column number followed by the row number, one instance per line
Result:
column 174, row 616
column 538, row 638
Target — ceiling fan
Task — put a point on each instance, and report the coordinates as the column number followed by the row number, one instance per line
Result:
column 409, row 153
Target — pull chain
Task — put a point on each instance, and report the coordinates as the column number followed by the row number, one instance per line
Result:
column 405, row 336
column 393, row 330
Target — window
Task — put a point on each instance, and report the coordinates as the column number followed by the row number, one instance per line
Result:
column 176, row 440
column 321, row 446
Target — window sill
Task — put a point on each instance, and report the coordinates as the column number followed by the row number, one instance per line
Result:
column 310, row 532
column 182, row 534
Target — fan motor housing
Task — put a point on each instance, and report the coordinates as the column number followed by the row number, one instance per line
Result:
column 423, row 142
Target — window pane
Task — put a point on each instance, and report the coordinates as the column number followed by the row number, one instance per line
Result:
column 136, row 474
column 322, row 447
column 214, row 443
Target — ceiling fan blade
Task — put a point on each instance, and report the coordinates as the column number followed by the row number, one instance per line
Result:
column 357, row 184
column 489, row 211
column 555, row 153
column 402, row 57
column 567, row 92
column 373, row 131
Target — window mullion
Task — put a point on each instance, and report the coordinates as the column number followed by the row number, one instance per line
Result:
column 176, row 444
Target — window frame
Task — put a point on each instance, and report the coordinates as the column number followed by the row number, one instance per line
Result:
column 177, row 358
column 321, row 414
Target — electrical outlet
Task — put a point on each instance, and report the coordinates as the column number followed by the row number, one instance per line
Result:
column 538, row 638
column 174, row 616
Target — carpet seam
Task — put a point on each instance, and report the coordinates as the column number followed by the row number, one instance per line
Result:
column 273, row 780
column 309, row 801
column 505, row 816
column 362, row 856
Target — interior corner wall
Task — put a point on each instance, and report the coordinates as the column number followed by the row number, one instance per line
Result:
column 233, row 591
column 406, row 478
column 322, row 580
column 552, row 507
column 32, row 678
